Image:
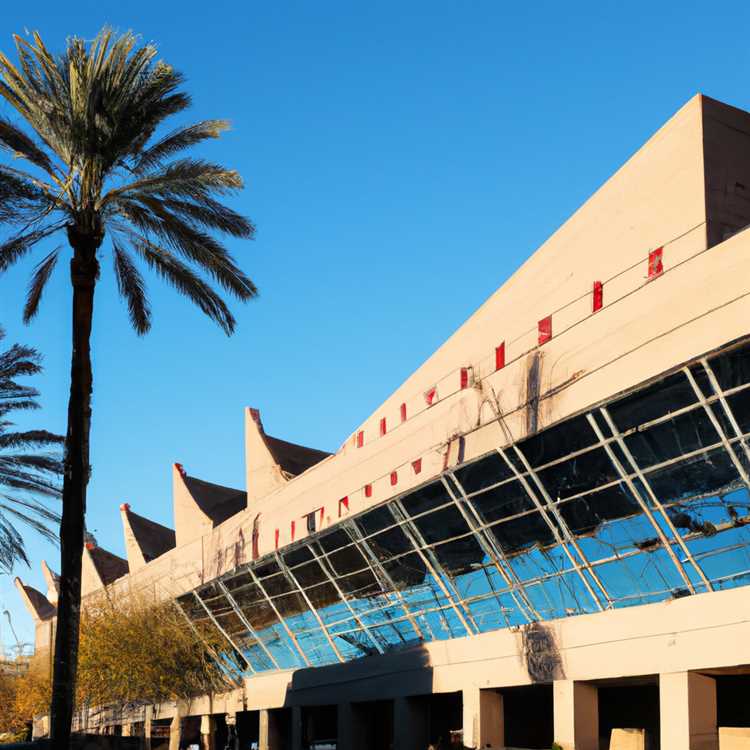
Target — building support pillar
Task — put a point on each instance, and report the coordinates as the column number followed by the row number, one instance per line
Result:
column 269, row 737
column 410, row 724
column 483, row 718
column 207, row 732
column 576, row 715
column 147, row 718
column 687, row 708
column 175, row 732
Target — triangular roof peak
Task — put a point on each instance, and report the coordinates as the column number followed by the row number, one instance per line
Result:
column 270, row 461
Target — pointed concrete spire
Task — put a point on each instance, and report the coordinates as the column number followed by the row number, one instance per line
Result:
column 145, row 540
column 99, row 568
column 53, row 582
column 271, row 462
column 37, row 604
column 264, row 475
column 200, row 506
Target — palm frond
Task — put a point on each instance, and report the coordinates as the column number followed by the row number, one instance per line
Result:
column 182, row 278
column 30, row 460
column 191, row 178
column 131, row 286
column 38, row 282
column 150, row 216
column 178, row 140
column 20, row 145
column 17, row 246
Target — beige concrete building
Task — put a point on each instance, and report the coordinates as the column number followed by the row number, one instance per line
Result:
column 540, row 537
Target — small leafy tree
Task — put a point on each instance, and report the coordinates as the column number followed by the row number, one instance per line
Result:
column 135, row 650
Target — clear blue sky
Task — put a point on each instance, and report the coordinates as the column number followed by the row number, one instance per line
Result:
column 401, row 160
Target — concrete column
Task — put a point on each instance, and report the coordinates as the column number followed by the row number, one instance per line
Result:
column 207, row 732
column 296, row 728
column 576, row 712
column 175, row 732
column 410, row 724
column 687, row 711
column 483, row 718
column 147, row 718
column 269, row 736
column 127, row 729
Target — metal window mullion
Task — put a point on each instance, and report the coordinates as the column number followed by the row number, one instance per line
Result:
column 723, row 401
column 213, row 651
column 246, row 622
column 293, row 579
column 282, row 621
column 717, row 426
column 226, row 635
column 347, row 604
column 434, row 566
column 491, row 549
column 666, row 543
column 555, row 531
column 657, row 503
column 563, row 525
column 373, row 563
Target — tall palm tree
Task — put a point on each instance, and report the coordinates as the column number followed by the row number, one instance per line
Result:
column 30, row 461
column 94, row 167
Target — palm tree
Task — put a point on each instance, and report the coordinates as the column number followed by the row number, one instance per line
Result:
column 30, row 463
column 95, row 168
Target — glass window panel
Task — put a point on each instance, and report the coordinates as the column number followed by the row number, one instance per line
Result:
column 523, row 532
column 537, row 563
column 700, row 475
column 560, row 596
column 667, row 395
column 460, row 555
column 425, row 498
column 671, row 439
column 406, row 571
column 389, row 543
column 297, row 556
column 442, row 524
column 374, row 520
column 732, row 368
column 277, row 584
column 585, row 514
column 486, row 472
column 558, row 441
column 501, row 502
column 290, row 605
column 334, row 540
column 739, row 403
column 639, row 579
column 580, row 474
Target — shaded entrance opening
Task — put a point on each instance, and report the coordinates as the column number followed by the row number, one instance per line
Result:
column 247, row 728
column 528, row 713
column 280, row 727
column 733, row 700
column 629, row 704
column 445, row 719
column 372, row 725
column 220, row 731
column 319, row 727
column 190, row 731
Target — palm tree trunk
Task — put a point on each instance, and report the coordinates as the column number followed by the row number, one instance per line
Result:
column 84, row 270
